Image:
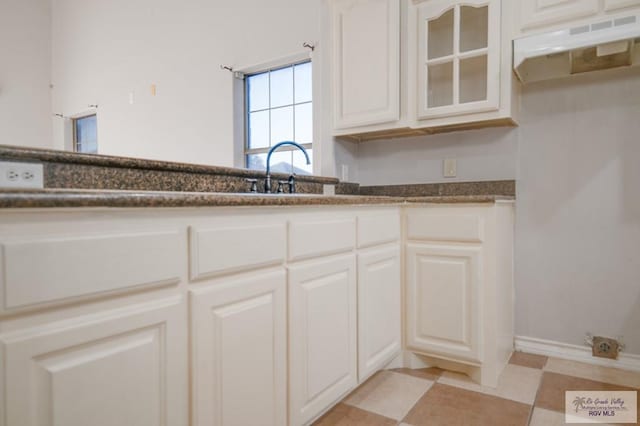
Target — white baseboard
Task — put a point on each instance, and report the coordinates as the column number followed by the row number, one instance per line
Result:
column 536, row 346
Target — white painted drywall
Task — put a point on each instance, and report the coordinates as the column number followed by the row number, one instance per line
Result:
column 488, row 154
column 105, row 50
column 576, row 157
column 578, row 209
column 25, row 69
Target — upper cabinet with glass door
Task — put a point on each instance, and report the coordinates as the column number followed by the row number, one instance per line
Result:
column 458, row 69
column 453, row 62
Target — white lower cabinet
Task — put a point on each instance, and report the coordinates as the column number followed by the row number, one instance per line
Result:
column 322, row 335
column 239, row 344
column 459, row 287
column 379, row 309
column 120, row 367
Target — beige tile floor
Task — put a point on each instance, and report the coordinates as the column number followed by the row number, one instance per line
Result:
column 530, row 392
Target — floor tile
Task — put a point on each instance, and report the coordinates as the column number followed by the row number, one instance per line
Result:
column 542, row 417
column 389, row 394
column 347, row 415
column 446, row 405
column 553, row 386
column 516, row 383
column 528, row 360
column 423, row 373
column 594, row 372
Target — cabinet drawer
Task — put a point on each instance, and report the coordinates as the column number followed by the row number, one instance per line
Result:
column 378, row 228
column 308, row 238
column 56, row 268
column 231, row 248
column 445, row 227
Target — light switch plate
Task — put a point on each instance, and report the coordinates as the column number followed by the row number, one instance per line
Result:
column 450, row 167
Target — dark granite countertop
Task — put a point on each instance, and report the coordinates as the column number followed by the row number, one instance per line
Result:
column 8, row 152
column 64, row 198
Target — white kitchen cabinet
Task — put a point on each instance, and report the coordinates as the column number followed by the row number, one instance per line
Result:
column 454, row 68
column 379, row 308
column 536, row 16
column 459, row 287
column 458, row 68
column 322, row 335
column 538, row 13
column 616, row 5
column 365, row 62
column 239, row 345
column 124, row 366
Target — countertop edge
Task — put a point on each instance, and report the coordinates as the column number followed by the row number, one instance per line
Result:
column 148, row 199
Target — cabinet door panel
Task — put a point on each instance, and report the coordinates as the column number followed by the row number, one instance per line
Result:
column 322, row 330
column 444, row 300
column 239, row 351
column 366, row 61
column 541, row 13
column 124, row 367
column 379, row 317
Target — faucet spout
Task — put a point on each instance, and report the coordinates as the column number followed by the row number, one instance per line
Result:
column 267, row 182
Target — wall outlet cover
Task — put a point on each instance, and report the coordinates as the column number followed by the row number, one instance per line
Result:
column 450, row 167
column 21, row 175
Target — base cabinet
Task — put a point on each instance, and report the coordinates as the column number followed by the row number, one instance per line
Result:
column 459, row 287
column 118, row 367
column 239, row 344
column 322, row 335
column 379, row 309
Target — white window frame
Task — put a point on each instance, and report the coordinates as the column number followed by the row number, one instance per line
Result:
column 240, row 110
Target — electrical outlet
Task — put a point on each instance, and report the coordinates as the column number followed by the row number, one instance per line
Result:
column 21, row 175
column 605, row 347
column 449, row 167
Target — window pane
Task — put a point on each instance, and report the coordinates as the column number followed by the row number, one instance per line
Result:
column 440, row 85
column 258, row 88
column 303, row 82
column 282, row 87
column 280, row 163
column 304, row 123
column 87, row 134
column 300, row 166
column 257, row 161
column 281, row 125
column 474, row 29
column 259, row 129
column 440, row 35
column 473, row 79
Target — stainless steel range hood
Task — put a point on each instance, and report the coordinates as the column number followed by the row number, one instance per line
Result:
column 601, row 45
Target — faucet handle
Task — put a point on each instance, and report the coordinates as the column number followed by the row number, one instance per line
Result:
column 254, row 184
column 292, row 184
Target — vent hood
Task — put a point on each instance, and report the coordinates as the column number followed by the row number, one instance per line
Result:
column 601, row 45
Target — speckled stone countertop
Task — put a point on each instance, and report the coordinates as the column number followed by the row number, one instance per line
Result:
column 64, row 198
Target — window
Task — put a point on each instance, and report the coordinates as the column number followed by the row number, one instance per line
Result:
column 85, row 134
column 279, row 108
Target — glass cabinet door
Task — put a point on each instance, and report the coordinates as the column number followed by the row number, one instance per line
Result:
column 459, row 57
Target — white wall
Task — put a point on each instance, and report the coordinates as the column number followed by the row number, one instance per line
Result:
column 578, row 209
column 103, row 50
column 25, row 68
column 576, row 156
column 488, row 154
